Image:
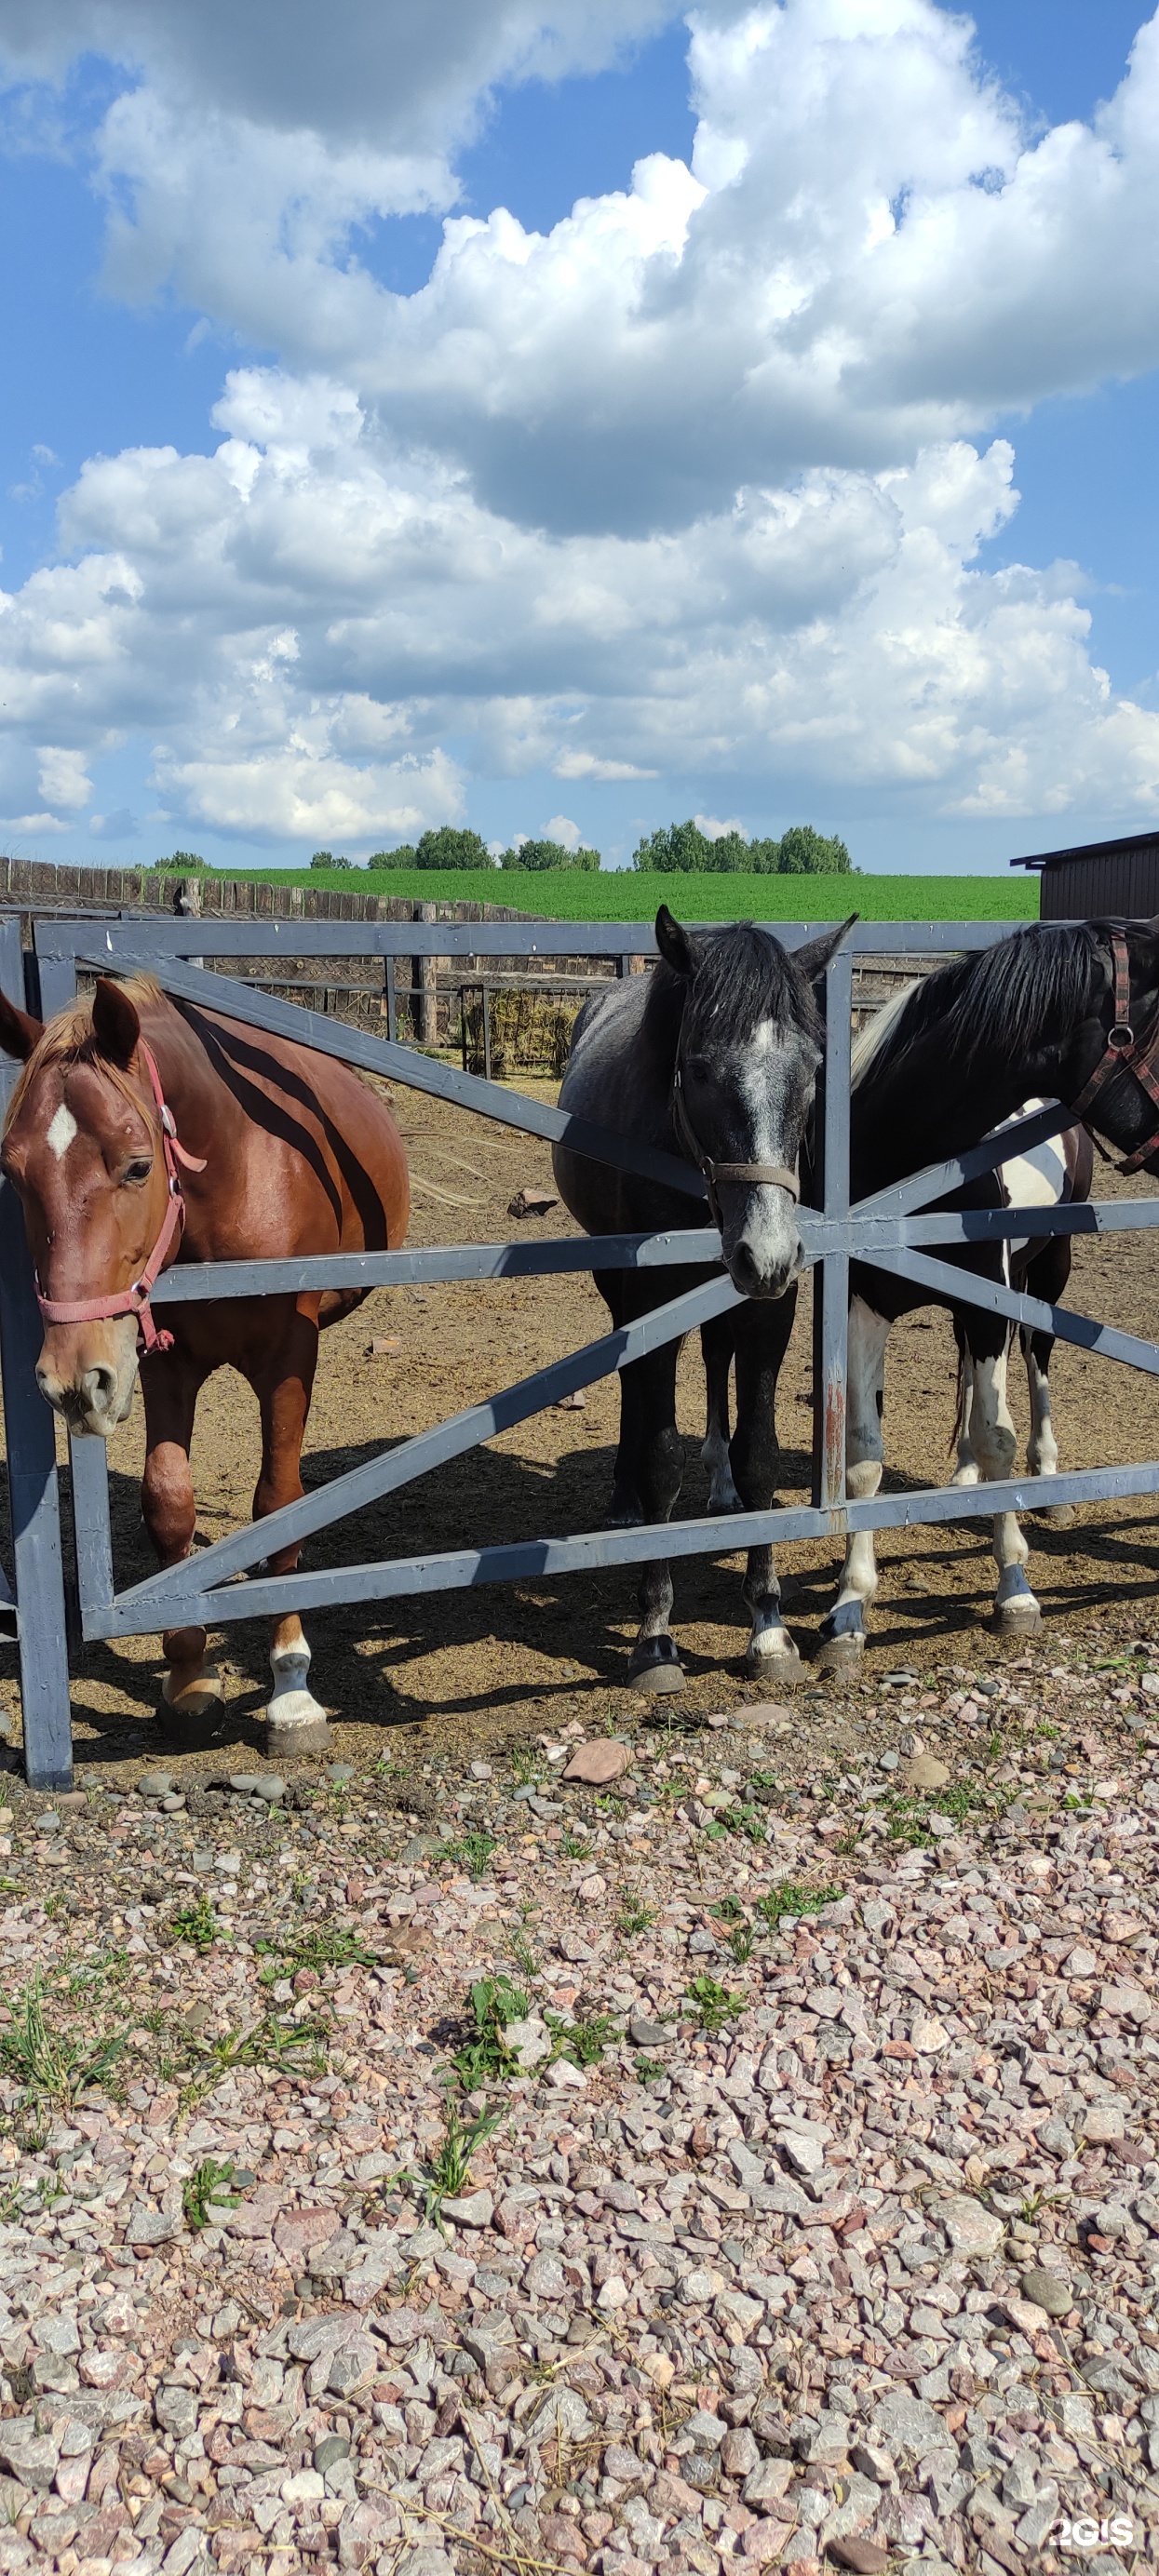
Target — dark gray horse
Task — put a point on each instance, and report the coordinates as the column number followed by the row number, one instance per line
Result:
column 712, row 1057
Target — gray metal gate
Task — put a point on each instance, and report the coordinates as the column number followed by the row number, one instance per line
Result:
column 890, row 1229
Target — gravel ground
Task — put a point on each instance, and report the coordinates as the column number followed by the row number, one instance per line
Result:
column 813, row 2209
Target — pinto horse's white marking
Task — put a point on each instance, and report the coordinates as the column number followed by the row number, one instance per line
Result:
column 61, row 1131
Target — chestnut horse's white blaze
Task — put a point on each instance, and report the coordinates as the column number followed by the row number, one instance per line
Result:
column 61, row 1131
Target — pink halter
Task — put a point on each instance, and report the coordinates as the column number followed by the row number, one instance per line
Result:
column 135, row 1300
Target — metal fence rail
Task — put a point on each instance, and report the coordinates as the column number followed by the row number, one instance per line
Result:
column 895, row 1229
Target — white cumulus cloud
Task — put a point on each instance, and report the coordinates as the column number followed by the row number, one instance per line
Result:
column 692, row 487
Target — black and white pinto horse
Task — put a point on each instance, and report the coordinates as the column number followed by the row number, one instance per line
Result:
column 1055, row 1173
column 1049, row 1014
column 713, row 1057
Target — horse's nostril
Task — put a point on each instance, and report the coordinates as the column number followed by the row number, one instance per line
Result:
column 99, row 1386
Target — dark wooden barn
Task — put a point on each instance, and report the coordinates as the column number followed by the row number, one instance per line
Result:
column 1115, row 878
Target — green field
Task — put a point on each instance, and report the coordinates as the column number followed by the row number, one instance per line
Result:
column 623, row 895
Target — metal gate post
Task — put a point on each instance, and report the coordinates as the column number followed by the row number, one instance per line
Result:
column 831, row 1286
column 32, row 1477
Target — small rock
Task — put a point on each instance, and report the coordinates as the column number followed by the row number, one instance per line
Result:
column 1048, row 2290
column 929, row 2035
column 156, row 1784
column 1081, row 1962
column 806, row 2155
column 529, row 1202
column 246, row 1784
column 866, row 2557
column 332, row 2447
column 382, row 1346
column 873, row 2462
column 49, row 1822
column 701, row 2285
column 926, row 1772
column 473, row 2209
column 592, row 1889
column 765, row 1712
column 528, row 2041
column 614, row 2293
column 576, row 1403
column 1103, row 2123
column 566, row 2078
column 305, row 2486
column 598, row 1762
column 970, row 2228
column 646, row 2034
column 338, row 1772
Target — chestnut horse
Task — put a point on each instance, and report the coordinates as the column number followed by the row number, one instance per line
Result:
column 142, row 1131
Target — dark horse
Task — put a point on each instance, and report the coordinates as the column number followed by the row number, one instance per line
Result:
column 1026, row 1021
column 141, row 1129
column 713, row 1057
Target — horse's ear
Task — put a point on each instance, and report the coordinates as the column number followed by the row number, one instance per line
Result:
column 19, row 1032
column 814, row 957
column 674, row 943
column 116, row 1027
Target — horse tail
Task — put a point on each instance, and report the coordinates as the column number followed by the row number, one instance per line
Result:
column 958, row 1431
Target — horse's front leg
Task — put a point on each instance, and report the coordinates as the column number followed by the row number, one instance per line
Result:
column 843, row 1630
column 966, row 1471
column 171, row 1383
column 652, row 1456
column 1015, row 1607
column 1046, row 1277
column 762, row 1330
column 716, row 1343
column 295, row 1721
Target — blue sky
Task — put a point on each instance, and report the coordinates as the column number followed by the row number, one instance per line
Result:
column 695, row 565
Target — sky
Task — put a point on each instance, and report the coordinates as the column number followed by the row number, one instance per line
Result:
column 570, row 415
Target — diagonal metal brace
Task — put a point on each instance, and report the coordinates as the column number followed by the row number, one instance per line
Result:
column 239, row 1002
column 965, row 1288
column 335, row 1500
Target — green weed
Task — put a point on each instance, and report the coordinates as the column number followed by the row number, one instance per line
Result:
column 793, row 1897
column 730, row 1909
column 575, row 1847
column 448, row 2170
column 295, row 2049
column 712, row 2002
column 209, row 2184
column 485, row 2055
column 648, row 2070
column 323, row 1945
column 583, row 2040
column 196, row 1922
column 520, row 1952
column 740, row 1942
column 473, row 1852
column 49, row 2062
column 634, row 1917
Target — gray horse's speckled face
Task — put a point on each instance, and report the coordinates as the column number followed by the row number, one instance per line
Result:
column 747, row 1099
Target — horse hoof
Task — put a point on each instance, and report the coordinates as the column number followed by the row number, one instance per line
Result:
column 842, row 1654
column 781, row 1671
column 656, row 1666
column 1016, row 1618
column 197, row 1702
column 308, row 1735
column 1059, row 1515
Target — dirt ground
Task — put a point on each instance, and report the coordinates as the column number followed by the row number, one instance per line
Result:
column 463, row 1672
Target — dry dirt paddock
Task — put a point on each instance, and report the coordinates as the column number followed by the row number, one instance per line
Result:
column 462, row 1672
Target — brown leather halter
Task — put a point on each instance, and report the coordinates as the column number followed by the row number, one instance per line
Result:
column 761, row 1175
column 1125, row 1053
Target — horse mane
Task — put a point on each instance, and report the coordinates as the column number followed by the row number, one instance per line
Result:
column 68, row 1039
column 1026, row 989
column 741, row 976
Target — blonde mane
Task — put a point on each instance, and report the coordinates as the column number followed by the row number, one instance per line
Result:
column 67, row 1039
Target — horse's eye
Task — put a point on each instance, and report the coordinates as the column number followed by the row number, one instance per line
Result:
column 140, row 1169
column 698, row 1068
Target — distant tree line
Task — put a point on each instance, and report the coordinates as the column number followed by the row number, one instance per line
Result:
column 683, row 849
column 449, row 848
